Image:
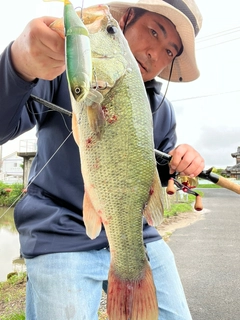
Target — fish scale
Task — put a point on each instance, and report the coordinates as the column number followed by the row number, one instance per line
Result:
column 115, row 139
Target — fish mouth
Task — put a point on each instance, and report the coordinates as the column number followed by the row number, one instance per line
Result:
column 97, row 55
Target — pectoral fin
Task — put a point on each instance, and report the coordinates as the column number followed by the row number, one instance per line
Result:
column 154, row 209
column 96, row 119
column 75, row 129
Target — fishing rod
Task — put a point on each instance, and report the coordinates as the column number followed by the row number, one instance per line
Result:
column 185, row 185
column 51, row 106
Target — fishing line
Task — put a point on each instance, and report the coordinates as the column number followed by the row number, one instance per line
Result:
column 171, row 69
column 11, row 205
column 35, row 113
column 34, row 178
column 52, row 107
column 165, row 93
column 47, row 111
column 50, row 159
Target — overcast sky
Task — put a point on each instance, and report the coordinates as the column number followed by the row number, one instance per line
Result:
column 207, row 109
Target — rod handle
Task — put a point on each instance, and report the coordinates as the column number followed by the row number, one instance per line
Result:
column 198, row 203
column 170, row 187
column 228, row 184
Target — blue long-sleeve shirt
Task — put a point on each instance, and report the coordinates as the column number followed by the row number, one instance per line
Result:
column 49, row 217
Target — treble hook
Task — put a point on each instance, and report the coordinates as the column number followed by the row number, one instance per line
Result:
column 82, row 10
column 97, row 85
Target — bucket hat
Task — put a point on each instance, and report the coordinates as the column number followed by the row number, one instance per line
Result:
column 186, row 17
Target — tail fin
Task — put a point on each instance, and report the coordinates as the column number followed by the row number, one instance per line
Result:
column 132, row 300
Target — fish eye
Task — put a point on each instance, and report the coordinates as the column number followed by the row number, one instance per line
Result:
column 111, row 29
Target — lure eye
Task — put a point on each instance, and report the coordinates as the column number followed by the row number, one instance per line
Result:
column 111, row 29
column 77, row 91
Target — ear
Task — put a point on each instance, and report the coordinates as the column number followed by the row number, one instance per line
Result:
column 126, row 18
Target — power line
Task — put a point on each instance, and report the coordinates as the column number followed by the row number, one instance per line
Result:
column 218, row 34
column 206, row 95
column 216, row 44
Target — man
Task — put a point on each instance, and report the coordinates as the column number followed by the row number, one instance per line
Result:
column 65, row 268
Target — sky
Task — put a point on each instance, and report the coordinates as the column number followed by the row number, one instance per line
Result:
column 207, row 109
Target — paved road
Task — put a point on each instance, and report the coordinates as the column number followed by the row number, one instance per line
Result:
column 208, row 258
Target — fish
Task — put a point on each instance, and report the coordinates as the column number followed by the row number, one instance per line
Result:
column 121, row 182
column 78, row 65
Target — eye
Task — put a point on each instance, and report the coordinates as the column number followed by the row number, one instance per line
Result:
column 169, row 53
column 77, row 90
column 111, row 29
column 154, row 33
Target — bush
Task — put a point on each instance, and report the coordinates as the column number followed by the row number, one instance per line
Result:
column 10, row 194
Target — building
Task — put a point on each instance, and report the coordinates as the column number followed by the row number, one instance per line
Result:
column 15, row 166
column 12, row 169
column 233, row 171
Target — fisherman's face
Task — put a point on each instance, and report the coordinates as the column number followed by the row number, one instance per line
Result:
column 154, row 42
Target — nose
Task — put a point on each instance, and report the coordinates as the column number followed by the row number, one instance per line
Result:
column 152, row 54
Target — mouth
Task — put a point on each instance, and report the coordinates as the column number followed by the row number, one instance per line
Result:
column 141, row 66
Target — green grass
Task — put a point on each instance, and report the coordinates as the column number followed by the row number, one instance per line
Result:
column 208, row 185
column 16, row 316
column 10, row 198
column 12, row 298
column 180, row 207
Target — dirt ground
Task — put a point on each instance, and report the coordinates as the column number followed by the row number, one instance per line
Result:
column 169, row 225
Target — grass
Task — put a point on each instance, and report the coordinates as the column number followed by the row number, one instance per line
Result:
column 209, row 185
column 16, row 316
column 180, row 207
column 102, row 315
column 12, row 297
column 9, row 194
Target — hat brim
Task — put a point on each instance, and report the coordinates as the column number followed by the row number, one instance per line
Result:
column 185, row 67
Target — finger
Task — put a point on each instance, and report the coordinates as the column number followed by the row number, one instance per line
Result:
column 53, row 46
column 51, row 40
column 194, row 168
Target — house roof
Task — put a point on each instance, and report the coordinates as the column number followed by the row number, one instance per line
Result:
column 234, row 169
column 11, row 155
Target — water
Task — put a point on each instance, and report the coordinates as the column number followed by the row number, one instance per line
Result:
column 9, row 245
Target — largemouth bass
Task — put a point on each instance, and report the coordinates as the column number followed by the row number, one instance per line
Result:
column 118, row 165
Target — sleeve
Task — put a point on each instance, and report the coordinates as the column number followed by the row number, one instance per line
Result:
column 14, row 92
column 18, row 112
